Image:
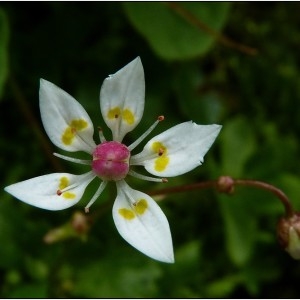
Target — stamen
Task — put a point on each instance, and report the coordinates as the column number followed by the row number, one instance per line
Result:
column 140, row 158
column 148, row 178
column 116, row 130
column 72, row 159
column 101, row 135
column 143, row 136
column 67, row 188
column 88, row 175
column 88, row 143
column 96, row 195
column 161, row 151
column 83, row 139
column 122, row 189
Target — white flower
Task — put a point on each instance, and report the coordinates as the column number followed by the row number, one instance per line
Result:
column 138, row 218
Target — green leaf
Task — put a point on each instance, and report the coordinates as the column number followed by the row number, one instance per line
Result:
column 289, row 183
column 237, row 145
column 223, row 287
column 173, row 36
column 4, row 36
column 201, row 107
column 117, row 275
column 10, row 221
column 240, row 228
column 35, row 290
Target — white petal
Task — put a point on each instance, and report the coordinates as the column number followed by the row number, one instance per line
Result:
column 66, row 122
column 122, row 99
column 181, row 149
column 42, row 191
column 141, row 222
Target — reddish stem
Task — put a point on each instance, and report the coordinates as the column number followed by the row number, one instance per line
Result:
column 277, row 192
column 184, row 188
column 226, row 184
column 193, row 20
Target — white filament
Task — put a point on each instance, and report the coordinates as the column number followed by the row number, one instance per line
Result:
column 72, row 159
column 143, row 136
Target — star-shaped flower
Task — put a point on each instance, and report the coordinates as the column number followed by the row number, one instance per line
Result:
column 138, row 218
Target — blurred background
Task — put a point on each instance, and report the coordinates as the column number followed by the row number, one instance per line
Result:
column 235, row 64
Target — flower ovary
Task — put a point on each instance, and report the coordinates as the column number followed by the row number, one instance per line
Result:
column 111, row 161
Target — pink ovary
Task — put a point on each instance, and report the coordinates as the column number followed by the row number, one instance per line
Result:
column 111, row 161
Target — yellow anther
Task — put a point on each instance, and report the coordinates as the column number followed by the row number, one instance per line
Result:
column 161, row 151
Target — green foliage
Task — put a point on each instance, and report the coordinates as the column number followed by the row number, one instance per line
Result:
column 171, row 36
column 225, row 245
column 237, row 145
column 121, row 276
column 239, row 229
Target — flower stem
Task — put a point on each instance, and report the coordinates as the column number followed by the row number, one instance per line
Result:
column 183, row 188
column 289, row 211
column 226, row 184
column 193, row 20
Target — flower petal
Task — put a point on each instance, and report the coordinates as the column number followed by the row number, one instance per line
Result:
column 177, row 150
column 122, row 99
column 141, row 222
column 43, row 192
column 66, row 122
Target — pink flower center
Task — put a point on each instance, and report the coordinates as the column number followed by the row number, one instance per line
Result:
column 111, row 161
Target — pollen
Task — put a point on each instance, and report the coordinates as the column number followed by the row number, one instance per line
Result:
column 70, row 132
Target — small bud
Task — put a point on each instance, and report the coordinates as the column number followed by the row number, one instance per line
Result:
column 225, row 184
column 288, row 232
column 77, row 227
column 58, row 234
column 80, row 223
